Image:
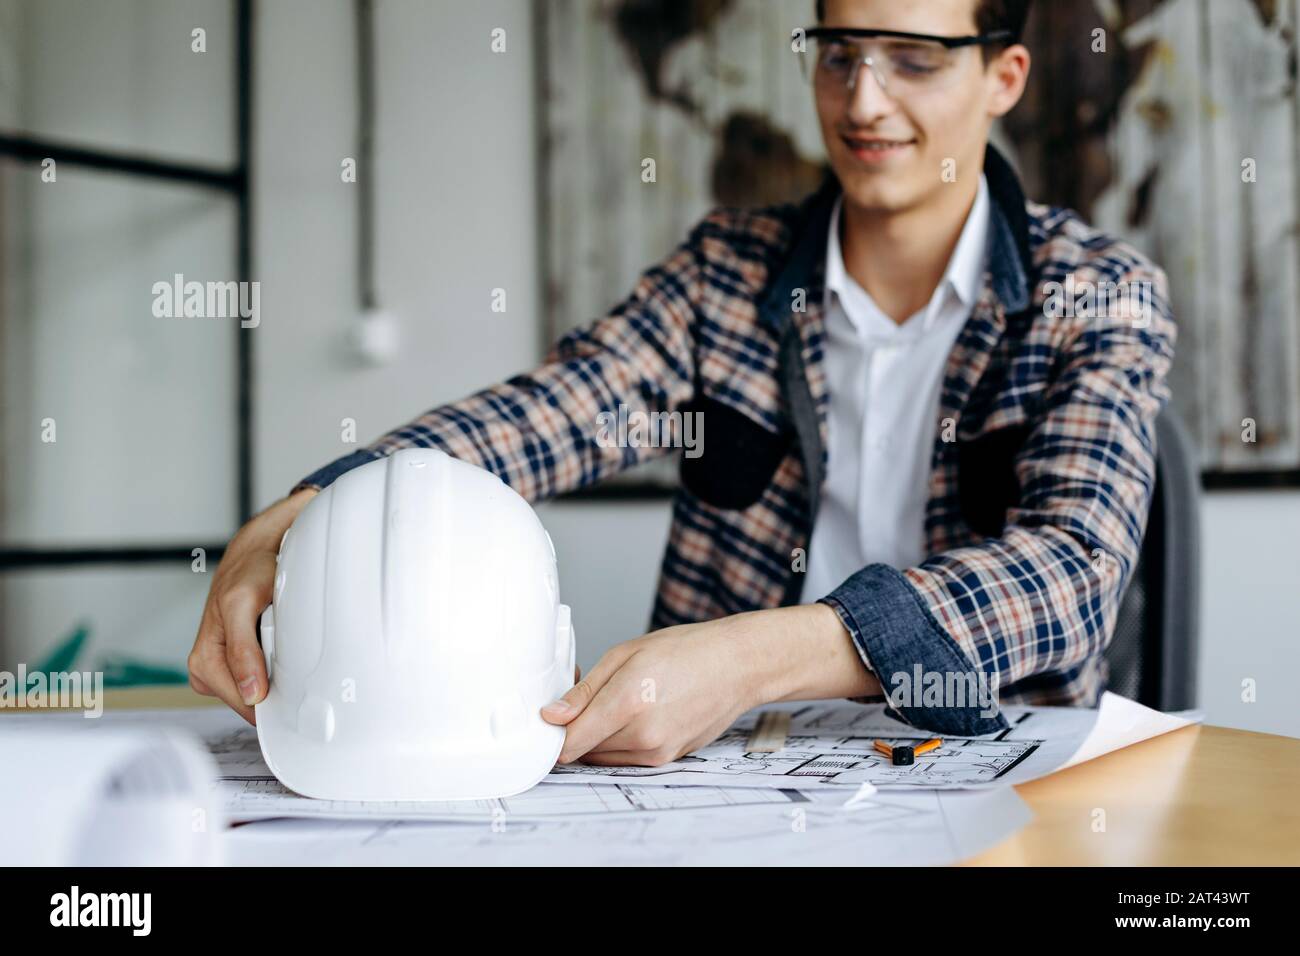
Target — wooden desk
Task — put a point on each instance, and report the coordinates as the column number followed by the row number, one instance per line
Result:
column 171, row 695
column 1204, row 796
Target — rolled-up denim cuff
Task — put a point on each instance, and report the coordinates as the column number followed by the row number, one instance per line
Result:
column 926, row 679
column 324, row 477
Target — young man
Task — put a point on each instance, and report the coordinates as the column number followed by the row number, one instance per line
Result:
column 895, row 399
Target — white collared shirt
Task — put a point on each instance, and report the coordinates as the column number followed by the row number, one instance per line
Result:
column 885, row 382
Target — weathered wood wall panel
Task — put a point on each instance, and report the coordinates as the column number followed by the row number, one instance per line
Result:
column 700, row 88
column 1205, row 151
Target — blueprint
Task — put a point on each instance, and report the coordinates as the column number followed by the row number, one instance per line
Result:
column 830, row 745
column 266, row 798
column 618, row 823
column 247, row 790
column 825, row 760
column 912, row 828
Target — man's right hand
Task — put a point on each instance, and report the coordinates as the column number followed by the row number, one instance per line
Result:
column 227, row 661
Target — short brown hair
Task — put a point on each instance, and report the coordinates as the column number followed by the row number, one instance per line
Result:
column 990, row 15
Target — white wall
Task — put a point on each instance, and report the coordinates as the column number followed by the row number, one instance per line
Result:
column 456, row 184
column 1250, row 618
column 609, row 557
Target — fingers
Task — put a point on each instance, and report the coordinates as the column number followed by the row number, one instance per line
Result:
column 199, row 687
column 576, row 699
column 243, row 654
column 568, row 707
column 226, row 661
column 209, row 672
column 636, row 737
column 607, row 713
column 628, row 758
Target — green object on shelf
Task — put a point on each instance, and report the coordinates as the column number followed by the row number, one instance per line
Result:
column 124, row 672
column 61, row 659
column 119, row 670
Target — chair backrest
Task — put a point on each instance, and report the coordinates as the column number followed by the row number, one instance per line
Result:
column 1153, row 653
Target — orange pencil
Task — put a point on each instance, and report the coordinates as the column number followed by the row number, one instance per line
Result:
column 903, row 756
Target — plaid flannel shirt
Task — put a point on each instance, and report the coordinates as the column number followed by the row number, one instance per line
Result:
column 1042, row 469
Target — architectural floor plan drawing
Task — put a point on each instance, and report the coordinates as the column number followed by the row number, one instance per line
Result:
column 830, row 745
column 826, row 759
column 912, row 828
column 265, row 797
column 806, row 803
column 617, row 823
column 249, row 791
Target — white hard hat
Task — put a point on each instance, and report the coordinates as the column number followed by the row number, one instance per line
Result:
column 416, row 631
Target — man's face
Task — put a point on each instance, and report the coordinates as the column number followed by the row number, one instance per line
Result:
column 889, row 148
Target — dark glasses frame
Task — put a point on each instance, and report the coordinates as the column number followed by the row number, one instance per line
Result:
column 952, row 43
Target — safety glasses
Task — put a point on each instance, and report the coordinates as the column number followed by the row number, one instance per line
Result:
column 903, row 64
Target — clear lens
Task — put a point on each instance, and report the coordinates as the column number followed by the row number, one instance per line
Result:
column 902, row 67
column 912, row 59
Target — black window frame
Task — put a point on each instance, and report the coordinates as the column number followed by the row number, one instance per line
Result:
column 233, row 182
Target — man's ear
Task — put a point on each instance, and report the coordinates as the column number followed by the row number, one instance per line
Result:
column 1007, row 75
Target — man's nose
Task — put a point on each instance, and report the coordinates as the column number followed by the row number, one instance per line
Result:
column 868, row 100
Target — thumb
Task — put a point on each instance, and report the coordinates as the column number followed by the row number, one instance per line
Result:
column 574, row 701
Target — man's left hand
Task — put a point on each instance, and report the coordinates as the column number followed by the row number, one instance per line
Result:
column 650, row 700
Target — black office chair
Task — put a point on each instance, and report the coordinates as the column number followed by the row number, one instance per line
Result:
column 1153, row 653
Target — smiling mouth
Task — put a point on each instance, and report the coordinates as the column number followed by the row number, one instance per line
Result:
column 875, row 148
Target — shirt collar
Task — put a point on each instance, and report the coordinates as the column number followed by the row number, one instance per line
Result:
column 966, row 267
column 964, row 275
